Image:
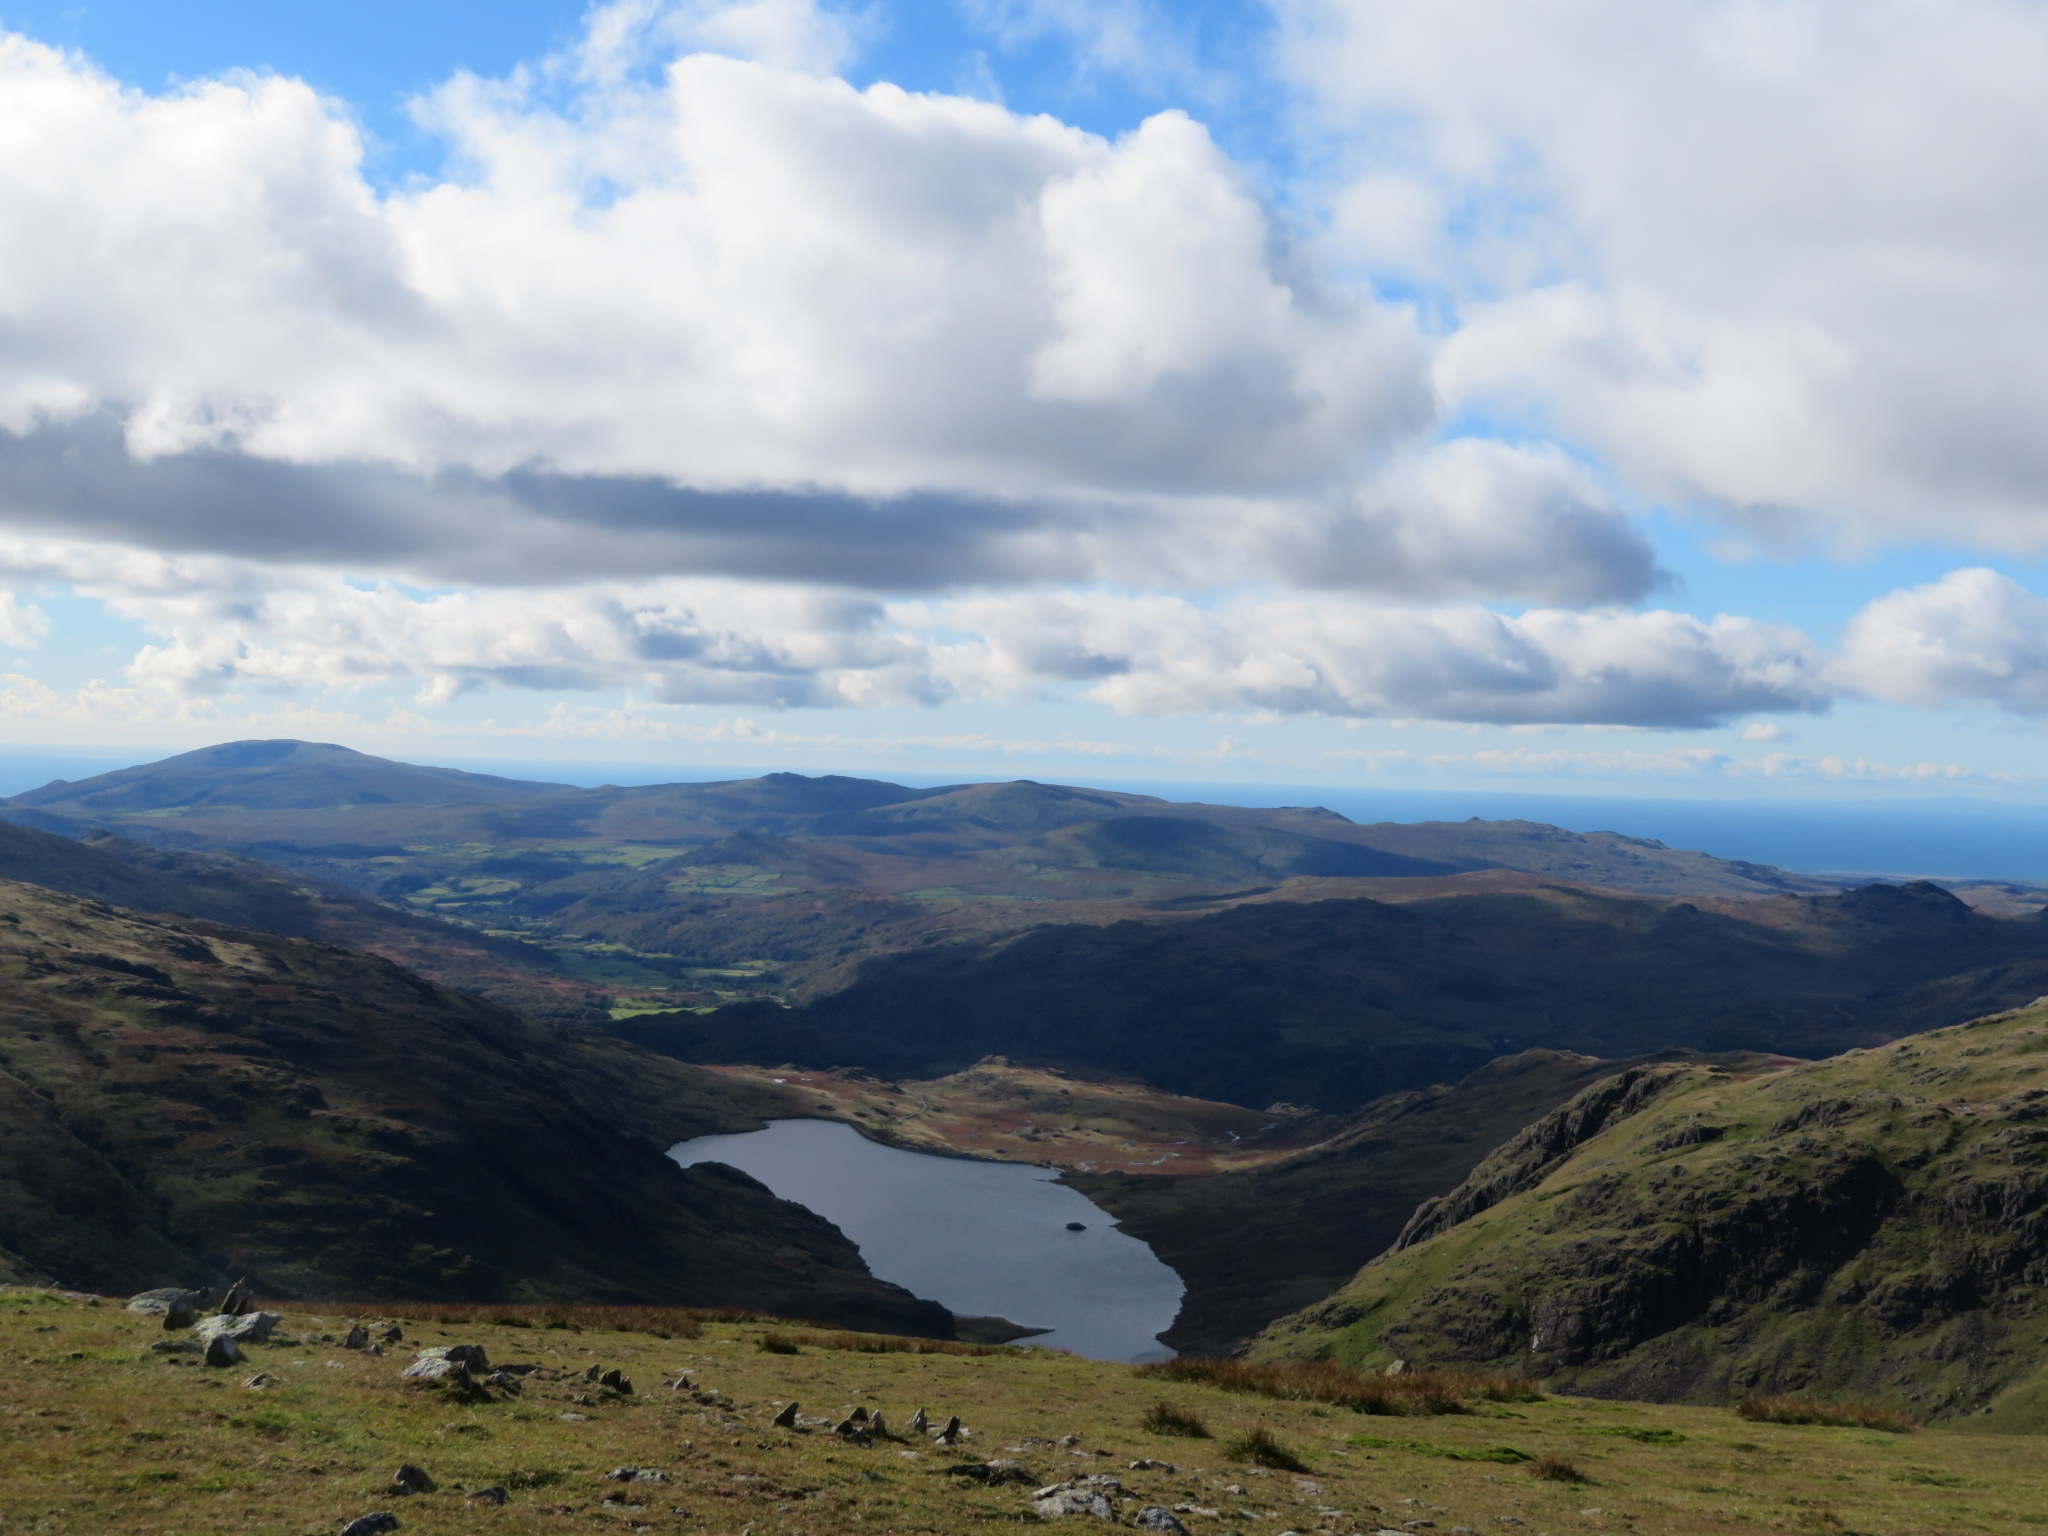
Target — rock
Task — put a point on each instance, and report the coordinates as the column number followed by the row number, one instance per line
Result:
column 410, row 1479
column 1153, row 1466
column 876, row 1426
column 371, row 1525
column 573, row 1418
column 177, row 1347
column 471, row 1356
column 394, row 1334
column 617, row 1381
column 846, row 1429
column 785, row 1419
column 1101, row 1483
column 221, row 1351
column 504, row 1381
column 491, row 1495
column 180, row 1315
column 919, row 1423
column 358, row 1338
column 859, row 1415
column 1077, row 1226
column 237, row 1301
column 158, row 1302
column 375, row 1349
column 1155, row 1518
column 259, row 1380
column 435, row 1368
column 242, row 1327
column 1062, row 1502
column 1070, row 1440
column 993, row 1473
column 951, row 1432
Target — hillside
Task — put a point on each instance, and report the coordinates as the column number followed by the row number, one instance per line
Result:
column 224, row 889
column 1870, row 1226
column 193, row 1102
column 1335, row 1003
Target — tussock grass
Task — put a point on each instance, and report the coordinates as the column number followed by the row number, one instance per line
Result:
column 1165, row 1419
column 1556, row 1469
column 1260, row 1449
column 893, row 1344
column 775, row 1344
column 1411, row 1392
column 1811, row 1410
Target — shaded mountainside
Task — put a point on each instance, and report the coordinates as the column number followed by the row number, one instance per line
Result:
column 1871, row 1226
column 1335, row 1003
column 193, row 1102
column 1253, row 1246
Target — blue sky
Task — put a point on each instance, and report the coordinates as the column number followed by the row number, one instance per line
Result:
column 1360, row 392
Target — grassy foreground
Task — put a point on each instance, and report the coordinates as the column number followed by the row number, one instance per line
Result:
column 103, row 1435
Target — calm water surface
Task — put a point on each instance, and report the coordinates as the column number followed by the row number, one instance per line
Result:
column 985, row 1239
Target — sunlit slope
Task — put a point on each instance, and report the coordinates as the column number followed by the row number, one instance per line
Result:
column 1872, row 1225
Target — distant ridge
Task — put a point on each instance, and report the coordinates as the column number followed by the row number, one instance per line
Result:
column 273, row 775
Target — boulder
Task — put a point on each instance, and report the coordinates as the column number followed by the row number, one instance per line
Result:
column 179, row 1316
column 358, row 1338
column 430, row 1369
column 243, row 1328
column 371, row 1525
column 158, row 1302
column 785, row 1419
column 491, row 1495
column 1154, row 1517
column 1058, row 1503
column 221, row 1351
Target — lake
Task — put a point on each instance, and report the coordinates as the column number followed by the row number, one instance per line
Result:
column 985, row 1239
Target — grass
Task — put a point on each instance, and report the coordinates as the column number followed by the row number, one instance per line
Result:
column 1556, row 1469
column 1258, row 1447
column 1411, row 1392
column 1165, row 1419
column 104, row 1435
column 1811, row 1410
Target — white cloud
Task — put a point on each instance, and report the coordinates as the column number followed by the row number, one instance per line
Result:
column 1974, row 636
column 1776, row 259
column 22, row 625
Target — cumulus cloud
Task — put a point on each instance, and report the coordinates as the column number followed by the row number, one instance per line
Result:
column 1777, row 260
column 1972, row 637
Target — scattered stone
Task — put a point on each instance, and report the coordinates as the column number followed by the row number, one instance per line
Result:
column 1155, row 1518
column 617, row 1381
column 179, row 1315
column 573, row 1418
column 177, row 1347
column 876, row 1426
column 993, row 1473
column 470, row 1356
column 242, row 1327
column 1196, row 1509
column 846, row 1429
column 1153, row 1466
column 491, row 1495
column 156, row 1303
column 594, row 1372
column 785, row 1419
column 859, row 1415
column 410, row 1479
column 951, row 1432
column 1070, row 1440
column 221, row 1351
column 237, row 1301
column 259, row 1380
column 358, row 1338
column 375, row 1349
column 504, row 1381
column 371, row 1525
column 394, row 1334
column 919, row 1423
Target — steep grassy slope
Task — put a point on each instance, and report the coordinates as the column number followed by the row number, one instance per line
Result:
column 103, row 1436
column 193, row 1102
column 1336, row 1003
column 1874, row 1225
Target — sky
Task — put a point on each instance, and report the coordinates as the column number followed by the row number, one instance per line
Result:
column 1600, row 397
